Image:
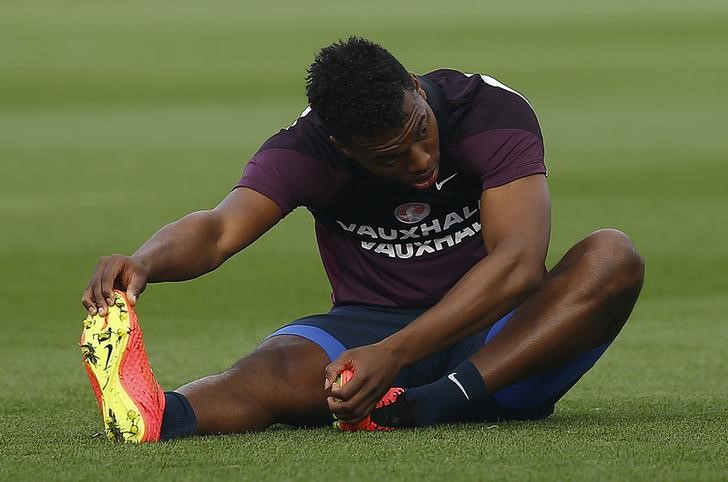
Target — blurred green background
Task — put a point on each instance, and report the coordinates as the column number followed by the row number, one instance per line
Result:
column 119, row 117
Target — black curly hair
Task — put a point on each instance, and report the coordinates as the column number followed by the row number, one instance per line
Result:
column 357, row 88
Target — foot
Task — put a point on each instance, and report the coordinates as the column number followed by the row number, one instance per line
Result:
column 130, row 399
column 391, row 412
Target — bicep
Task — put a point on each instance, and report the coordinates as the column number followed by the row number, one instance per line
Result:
column 516, row 219
column 242, row 217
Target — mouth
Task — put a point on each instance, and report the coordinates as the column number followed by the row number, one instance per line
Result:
column 426, row 180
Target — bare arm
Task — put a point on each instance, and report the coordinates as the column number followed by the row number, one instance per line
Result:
column 516, row 229
column 196, row 244
column 516, row 221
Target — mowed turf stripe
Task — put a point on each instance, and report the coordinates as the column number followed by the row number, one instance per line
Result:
column 176, row 97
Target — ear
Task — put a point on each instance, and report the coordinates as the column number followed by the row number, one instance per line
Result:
column 340, row 146
column 418, row 86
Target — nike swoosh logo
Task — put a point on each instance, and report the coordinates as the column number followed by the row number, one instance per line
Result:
column 109, row 348
column 438, row 185
column 456, row 382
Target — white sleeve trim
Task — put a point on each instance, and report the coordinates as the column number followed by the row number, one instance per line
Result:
column 495, row 83
column 303, row 114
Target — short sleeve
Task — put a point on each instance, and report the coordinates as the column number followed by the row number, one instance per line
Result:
column 289, row 178
column 504, row 142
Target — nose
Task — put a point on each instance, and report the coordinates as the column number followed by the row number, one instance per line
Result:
column 419, row 159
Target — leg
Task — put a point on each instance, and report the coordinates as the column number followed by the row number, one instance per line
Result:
column 282, row 381
column 583, row 303
column 530, row 358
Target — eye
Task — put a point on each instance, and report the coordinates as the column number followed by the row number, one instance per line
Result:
column 422, row 133
column 388, row 162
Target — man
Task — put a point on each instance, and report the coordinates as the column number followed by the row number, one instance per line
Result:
column 433, row 222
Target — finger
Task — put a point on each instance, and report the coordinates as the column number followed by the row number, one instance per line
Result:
column 347, row 390
column 87, row 301
column 99, row 301
column 135, row 288
column 343, row 412
column 349, row 407
column 360, row 405
column 131, row 297
column 368, row 403
column 333, row 370
column 97, row 296
column 108, row 279
column 340, row 409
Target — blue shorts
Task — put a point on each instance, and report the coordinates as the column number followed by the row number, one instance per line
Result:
column 351, row 326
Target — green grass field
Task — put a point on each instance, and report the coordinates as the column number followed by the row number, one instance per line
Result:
column 118, row 117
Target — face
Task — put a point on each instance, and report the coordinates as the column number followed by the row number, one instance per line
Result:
column 407, row 155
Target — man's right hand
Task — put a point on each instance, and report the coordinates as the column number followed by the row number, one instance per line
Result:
column 114, row 272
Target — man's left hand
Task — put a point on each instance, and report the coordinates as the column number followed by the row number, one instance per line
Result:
column 374, row 370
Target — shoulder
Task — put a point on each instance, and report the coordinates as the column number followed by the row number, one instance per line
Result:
column 492, row 130
column 305, row 136
column 298, row 166
column 480, row 103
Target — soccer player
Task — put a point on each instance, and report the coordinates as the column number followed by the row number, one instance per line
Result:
column 432, row 217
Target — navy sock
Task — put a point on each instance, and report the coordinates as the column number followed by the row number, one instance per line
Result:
column 439, row 400
column 178, row 419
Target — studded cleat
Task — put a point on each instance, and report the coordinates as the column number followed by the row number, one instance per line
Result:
column 129, row 397
column 391, row 412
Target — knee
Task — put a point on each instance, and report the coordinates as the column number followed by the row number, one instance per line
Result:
column 292, row 370
column 285, row 368
column 615, row 259
column 268, row 363
column 290, row 357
